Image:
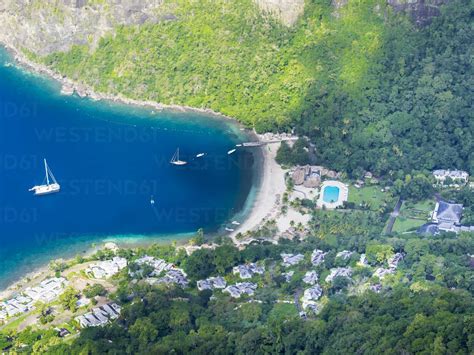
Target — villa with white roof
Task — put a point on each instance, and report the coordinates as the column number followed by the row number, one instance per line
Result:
column 457, row 177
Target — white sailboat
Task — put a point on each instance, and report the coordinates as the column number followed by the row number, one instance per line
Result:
column 49, row 188
column 175, row 159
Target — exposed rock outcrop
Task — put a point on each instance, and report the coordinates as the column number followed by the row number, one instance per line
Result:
column 46, row 26
column 421, row 11
column 287, row 11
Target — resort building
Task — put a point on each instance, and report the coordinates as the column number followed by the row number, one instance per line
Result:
column 159, row 266
column 446, row 217
column 48, row 290
column 333, row 194
column 317, row 257
column 99, row 316
column 363, row 260
column 174, row 276
column 310, row 175
column 457, row 177
column 247, row 271
column 107, row 268
column 291, row 259
column 345, row 254
column 240, row 289
column 288, row 275
column 311, row 277
column 211, row 283
column 311, row 295
column 339, row 272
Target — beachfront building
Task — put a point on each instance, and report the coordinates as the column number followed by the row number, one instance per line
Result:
column 99, row 316
column 211, row 283
column 48, row 290
column 239, row 289
column 317, row 257
column 453, row 178
column 333, row 194
column 339, row 272
column 310, row 175
column 107, row 268
column 291, row 259
column 311, row 277
column 247, row 271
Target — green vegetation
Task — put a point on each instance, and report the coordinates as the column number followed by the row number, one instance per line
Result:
column 371, row 196
column 371, row 91
column 425, row 306
column 413, row 215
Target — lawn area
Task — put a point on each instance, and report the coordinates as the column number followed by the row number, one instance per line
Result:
column 282, row 311
column 403, row 224
column 413, row 216
column 369, row 194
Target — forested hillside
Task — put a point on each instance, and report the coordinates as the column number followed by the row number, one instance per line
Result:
column 414, row 111
column 371, row 90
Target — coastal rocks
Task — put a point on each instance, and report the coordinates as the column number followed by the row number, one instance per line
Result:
column 287, row 11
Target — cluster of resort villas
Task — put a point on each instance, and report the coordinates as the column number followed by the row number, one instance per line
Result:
column 156, row 271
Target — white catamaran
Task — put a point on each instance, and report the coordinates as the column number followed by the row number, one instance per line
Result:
column 176, row 161
column 49, row 188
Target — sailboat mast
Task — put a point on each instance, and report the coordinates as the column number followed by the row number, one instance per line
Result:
column 46, row 171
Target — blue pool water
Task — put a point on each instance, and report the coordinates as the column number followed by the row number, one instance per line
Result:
column 110, row 160
column 331, row 194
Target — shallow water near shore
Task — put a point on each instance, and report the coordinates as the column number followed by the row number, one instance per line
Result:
column 111, row 161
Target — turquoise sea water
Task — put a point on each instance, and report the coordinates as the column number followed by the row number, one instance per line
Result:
column 110, row 160
column 331, row 194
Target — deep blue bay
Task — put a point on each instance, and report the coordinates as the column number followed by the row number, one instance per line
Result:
column 110, row 160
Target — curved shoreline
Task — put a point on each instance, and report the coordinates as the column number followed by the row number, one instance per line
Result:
column 246, row 212
column 69, row 87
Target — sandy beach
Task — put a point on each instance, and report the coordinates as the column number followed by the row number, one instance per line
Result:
column 270, row 191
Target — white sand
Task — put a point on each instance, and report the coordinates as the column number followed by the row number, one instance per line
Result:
column 268, row 199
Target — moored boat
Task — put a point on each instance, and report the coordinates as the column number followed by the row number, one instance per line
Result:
column 48, row 188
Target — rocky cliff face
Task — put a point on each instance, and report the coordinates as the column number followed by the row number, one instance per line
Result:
column 46, row 26
column 287, row 11
column 421, row 11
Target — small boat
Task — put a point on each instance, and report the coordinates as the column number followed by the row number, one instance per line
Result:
column 175, row 159
column 48, row 188
column 229, row 229
column 238, row 145
column 152, row 200
column 231, row 151
column 200, row 155
column 235, row 223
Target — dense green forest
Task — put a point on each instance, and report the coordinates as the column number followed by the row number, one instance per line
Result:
column 372, row 91
column 426, row 307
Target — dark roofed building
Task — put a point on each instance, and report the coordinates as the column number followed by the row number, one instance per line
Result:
column 446, row 212
column 428, row 228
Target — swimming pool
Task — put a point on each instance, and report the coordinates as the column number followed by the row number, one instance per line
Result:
column 331, row 194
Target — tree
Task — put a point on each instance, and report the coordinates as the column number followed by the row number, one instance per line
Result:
column 68, row 299
column 94, row 290
column 225, row 257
